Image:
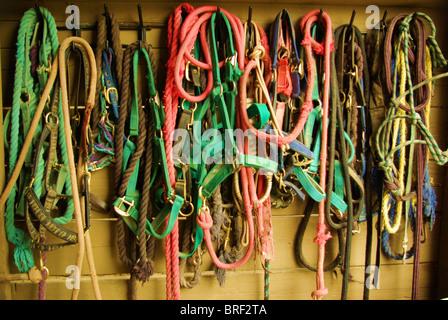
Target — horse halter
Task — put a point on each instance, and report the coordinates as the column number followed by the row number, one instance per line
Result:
column 109, row 60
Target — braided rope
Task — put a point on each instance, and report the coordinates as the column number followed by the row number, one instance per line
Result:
column 141, row 267
column 170, row 100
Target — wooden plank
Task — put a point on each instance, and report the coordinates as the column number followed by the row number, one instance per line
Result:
column 104, row 241
column 288, row 284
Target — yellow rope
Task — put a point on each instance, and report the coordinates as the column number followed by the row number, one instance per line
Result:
column 399, row 127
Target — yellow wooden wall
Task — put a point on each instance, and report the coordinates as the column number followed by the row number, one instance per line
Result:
column 288, row 279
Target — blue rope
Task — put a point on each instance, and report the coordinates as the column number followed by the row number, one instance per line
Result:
column 429, row 199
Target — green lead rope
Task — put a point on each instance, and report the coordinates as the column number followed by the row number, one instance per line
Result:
column 25, row 98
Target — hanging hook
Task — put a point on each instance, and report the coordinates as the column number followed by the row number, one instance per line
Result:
column 39, row 13
column 108, row 25
column 320, row 16
column 383, row 21
column 77, row 32
column 141, row 28
column 106, row 15
column 385, row 15
column 352, row 18
column 249, row 20
column 249, row 25
column 40, row 20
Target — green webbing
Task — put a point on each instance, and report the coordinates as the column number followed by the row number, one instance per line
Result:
column 133, row 123
column 261, row 110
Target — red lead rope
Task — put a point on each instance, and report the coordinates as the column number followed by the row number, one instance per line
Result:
column 324, row 49
column 170, row 100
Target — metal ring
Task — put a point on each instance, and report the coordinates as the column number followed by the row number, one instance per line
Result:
column 47, row 272
column 53, row 115
column 190, row 212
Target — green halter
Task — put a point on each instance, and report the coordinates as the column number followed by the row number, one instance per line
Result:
column 128, row 205
column 25, row 97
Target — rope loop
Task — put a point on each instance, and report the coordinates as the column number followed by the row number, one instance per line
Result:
column 204, row 218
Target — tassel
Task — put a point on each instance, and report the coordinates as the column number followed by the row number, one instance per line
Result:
column 23, row 256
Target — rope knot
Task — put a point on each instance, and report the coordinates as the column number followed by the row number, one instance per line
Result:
column 404, row 27
column 322, row 235
column 258, row 52
column 307, row 107
column 415, row 118
column 306, row 40
column 143, row 270
column 396, row 190
column 386, row 165
column 445, row 155
column 319, row 49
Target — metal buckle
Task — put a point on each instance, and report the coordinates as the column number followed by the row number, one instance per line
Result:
column 121, row 212
column 155, row 99
column 107, row 91
column 232, row 59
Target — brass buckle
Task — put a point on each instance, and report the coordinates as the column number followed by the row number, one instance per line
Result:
column 107, row 92
column 121, row 212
